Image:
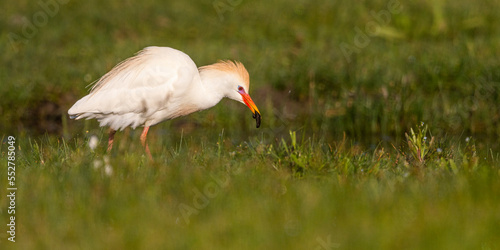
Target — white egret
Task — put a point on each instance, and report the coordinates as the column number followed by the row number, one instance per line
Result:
column 158, row 84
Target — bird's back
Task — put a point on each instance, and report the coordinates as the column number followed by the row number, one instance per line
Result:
column 142, row 90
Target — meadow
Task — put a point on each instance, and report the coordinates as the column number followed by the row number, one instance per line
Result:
column 380, row 122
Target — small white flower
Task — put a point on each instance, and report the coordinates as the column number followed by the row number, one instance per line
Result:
column 93, row 142
column 425, row 138
column 97, row 164
column 467, row 139
column 108, row 170
column 106, row 159
column 439, row 150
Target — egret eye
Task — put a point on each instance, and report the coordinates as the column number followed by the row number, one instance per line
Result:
column 240, row 88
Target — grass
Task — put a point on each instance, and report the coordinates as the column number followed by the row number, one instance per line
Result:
column 295, row 193
column 342, row 159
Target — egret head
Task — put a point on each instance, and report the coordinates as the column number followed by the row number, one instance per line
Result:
column 238, row 86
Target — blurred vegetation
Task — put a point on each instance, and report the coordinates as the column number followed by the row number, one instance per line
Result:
column 300, row 193
column 433, row 61
column 342, row 156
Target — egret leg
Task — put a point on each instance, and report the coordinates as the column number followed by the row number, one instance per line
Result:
column 144, row 143
column 110, row 139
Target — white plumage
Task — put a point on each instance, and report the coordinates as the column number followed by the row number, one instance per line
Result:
column 157, row 84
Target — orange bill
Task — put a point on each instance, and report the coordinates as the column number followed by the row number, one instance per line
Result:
column 249, row 102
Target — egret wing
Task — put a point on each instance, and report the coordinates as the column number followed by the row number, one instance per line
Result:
column 142, row 84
